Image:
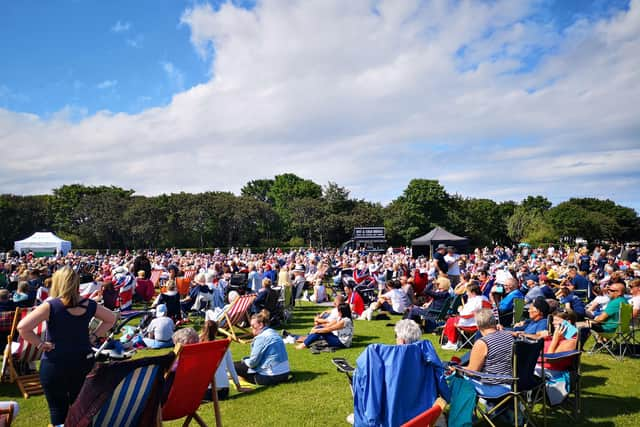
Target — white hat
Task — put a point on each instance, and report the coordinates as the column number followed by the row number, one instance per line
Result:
column 161, row 310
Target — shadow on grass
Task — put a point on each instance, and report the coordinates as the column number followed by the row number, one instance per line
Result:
column 297, row 377
column 10, row 390
column 599, row 405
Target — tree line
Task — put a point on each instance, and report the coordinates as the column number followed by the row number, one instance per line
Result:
column 291, row 211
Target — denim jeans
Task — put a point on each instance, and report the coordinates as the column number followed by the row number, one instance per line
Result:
column 330, row 338
column 61, row 382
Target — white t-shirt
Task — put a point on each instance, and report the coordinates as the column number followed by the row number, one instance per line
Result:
column 474, row 304
column 399, row 300
column 635, row 302
column 452, row 261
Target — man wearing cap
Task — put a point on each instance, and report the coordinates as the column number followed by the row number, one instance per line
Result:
column 160, row 330
column 453, row 269
column 438, row 257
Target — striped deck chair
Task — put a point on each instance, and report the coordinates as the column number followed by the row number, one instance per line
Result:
column 189, row 274
column 196, row 368
column 20, row 356
column 121, row 394
column 235, row 314
column 155, row 277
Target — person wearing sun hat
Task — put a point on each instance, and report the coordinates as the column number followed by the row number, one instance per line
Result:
column 537, row 321
column 160, row 330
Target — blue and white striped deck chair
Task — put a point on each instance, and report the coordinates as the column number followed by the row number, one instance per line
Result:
column 121, row 394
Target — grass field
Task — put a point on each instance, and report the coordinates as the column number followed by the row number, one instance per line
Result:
column 320, row 396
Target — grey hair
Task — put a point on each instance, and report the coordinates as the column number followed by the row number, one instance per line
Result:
column 185, row 336
column 485, row 319
column 408, row 331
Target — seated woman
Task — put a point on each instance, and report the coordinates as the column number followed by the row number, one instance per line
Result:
column 160, row 330
column 564, row 338
column 355, row 301
column 491, row 354
column 319, row 291
column 208, row 333
column 268, row 362
column 267, row 298
column 337, row 334
column 536, row 325
column 171, row 299
column 475, row 301
column 21, row 295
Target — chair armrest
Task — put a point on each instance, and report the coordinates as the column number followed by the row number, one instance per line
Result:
column 342, row 365
column 484, row 376
column 561, row 355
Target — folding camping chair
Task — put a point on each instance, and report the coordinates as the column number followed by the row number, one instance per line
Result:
column 196, row 369
column 393, row 384
column 523, row 388
column 467, row 334
column 182, row 285
column 121, row 394
column 19, row 357
column 234, row 316
column 621, row 337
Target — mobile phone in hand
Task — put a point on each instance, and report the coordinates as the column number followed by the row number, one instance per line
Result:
column 570, row 330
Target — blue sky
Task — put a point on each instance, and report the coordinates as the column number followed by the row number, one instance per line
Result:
column 541, row 91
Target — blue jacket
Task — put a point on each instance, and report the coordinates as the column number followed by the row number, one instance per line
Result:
column 268, row 354
column 394, row 383
column 507, row 302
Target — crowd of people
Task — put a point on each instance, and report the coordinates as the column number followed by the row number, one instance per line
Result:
column 572, row 284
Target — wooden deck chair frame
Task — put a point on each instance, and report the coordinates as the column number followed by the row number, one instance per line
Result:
column 7, row 414
column 29, row 384
column 237, row 312
column 210, row 363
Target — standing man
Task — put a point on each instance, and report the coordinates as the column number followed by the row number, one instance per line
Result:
column 453, row 268
column 142, row 263
column 441, row 264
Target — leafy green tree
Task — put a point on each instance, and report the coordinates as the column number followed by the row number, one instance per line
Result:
column 258, row 189
column 539, row 203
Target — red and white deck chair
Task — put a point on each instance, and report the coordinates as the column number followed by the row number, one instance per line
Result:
column 18, row 364
column 155, row 277
column 234, row 316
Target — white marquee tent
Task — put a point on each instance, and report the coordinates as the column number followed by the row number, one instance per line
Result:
column 43, row 243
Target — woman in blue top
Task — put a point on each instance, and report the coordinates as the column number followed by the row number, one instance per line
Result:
column 536, row 324
column 268, row 363
column 67, row 357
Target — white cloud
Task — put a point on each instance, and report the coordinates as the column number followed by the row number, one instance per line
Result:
column 107, row 84
column 121, row 27
column 332, row 90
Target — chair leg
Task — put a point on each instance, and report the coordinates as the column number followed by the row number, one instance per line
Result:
column 187, row 421
column 199, row 420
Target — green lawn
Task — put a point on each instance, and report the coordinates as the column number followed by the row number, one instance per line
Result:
column 320, row 396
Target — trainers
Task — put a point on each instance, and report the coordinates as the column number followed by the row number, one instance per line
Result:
column 450, row 346
column 285, row 333
column 350, row 418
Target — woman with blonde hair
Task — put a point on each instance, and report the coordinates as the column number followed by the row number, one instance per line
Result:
column 67, row 357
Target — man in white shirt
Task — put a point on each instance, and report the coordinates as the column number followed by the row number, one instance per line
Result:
column 452, row 258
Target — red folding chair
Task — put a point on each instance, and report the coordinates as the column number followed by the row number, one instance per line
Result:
column 196, row 368
column 427, row 418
